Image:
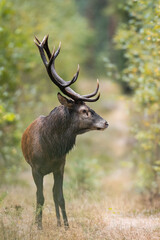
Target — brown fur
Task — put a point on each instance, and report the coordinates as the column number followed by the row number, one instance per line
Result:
column 46, row 142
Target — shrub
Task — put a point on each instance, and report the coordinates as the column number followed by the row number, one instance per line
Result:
column 139, row 38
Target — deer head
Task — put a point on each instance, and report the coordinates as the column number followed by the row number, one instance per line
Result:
column 84, row 118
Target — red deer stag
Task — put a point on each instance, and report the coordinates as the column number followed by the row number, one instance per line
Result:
column 48, row 139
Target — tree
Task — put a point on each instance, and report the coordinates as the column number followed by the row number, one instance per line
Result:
column 61, row 20
column 11, row 65
column 139, row 39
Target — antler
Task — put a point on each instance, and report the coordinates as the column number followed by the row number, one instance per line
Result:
column 63, row 85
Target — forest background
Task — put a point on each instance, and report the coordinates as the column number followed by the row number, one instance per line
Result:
column 119, row 43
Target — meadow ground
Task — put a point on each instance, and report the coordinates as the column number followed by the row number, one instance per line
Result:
column 111, row 211
column 104, row 216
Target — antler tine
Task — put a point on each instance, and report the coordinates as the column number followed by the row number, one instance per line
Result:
column 37, row 40
column 86, row 99
column 94, row 93
column 74, row 77
column 58, row 51
column 51, row 60
column 39, row 45
column 54, row 55
column 45, row 46
column 50, row 68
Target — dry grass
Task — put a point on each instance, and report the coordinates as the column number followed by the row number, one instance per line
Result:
column 107, row 216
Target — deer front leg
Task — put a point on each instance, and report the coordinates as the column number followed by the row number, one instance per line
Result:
column 59, row 198
column 38, row 179
column 55, row 197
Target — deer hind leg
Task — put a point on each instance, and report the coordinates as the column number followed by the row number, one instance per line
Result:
column 38, row 179
column 59, row 198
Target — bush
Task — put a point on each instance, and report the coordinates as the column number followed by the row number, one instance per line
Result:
column 83, row 175
column 139, row 38
column 11, row 66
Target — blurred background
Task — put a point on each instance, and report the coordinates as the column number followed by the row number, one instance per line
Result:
column 117, row 42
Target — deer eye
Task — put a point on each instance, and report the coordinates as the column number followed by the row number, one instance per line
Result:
column 84, row 111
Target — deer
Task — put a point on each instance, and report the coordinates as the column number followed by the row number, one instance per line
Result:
column 47, row 140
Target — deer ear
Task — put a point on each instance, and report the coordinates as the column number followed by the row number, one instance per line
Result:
column 65, row 101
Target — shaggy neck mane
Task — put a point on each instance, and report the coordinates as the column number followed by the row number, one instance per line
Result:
column 58, row 134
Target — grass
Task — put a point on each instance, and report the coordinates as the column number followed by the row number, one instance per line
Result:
column 93, row 215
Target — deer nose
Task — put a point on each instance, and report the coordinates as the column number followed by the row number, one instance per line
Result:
column 106, row 124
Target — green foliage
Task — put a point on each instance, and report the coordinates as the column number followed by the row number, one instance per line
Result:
column 61, row 20
column 11, row 65
column 84, row 175
column 139, row 39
